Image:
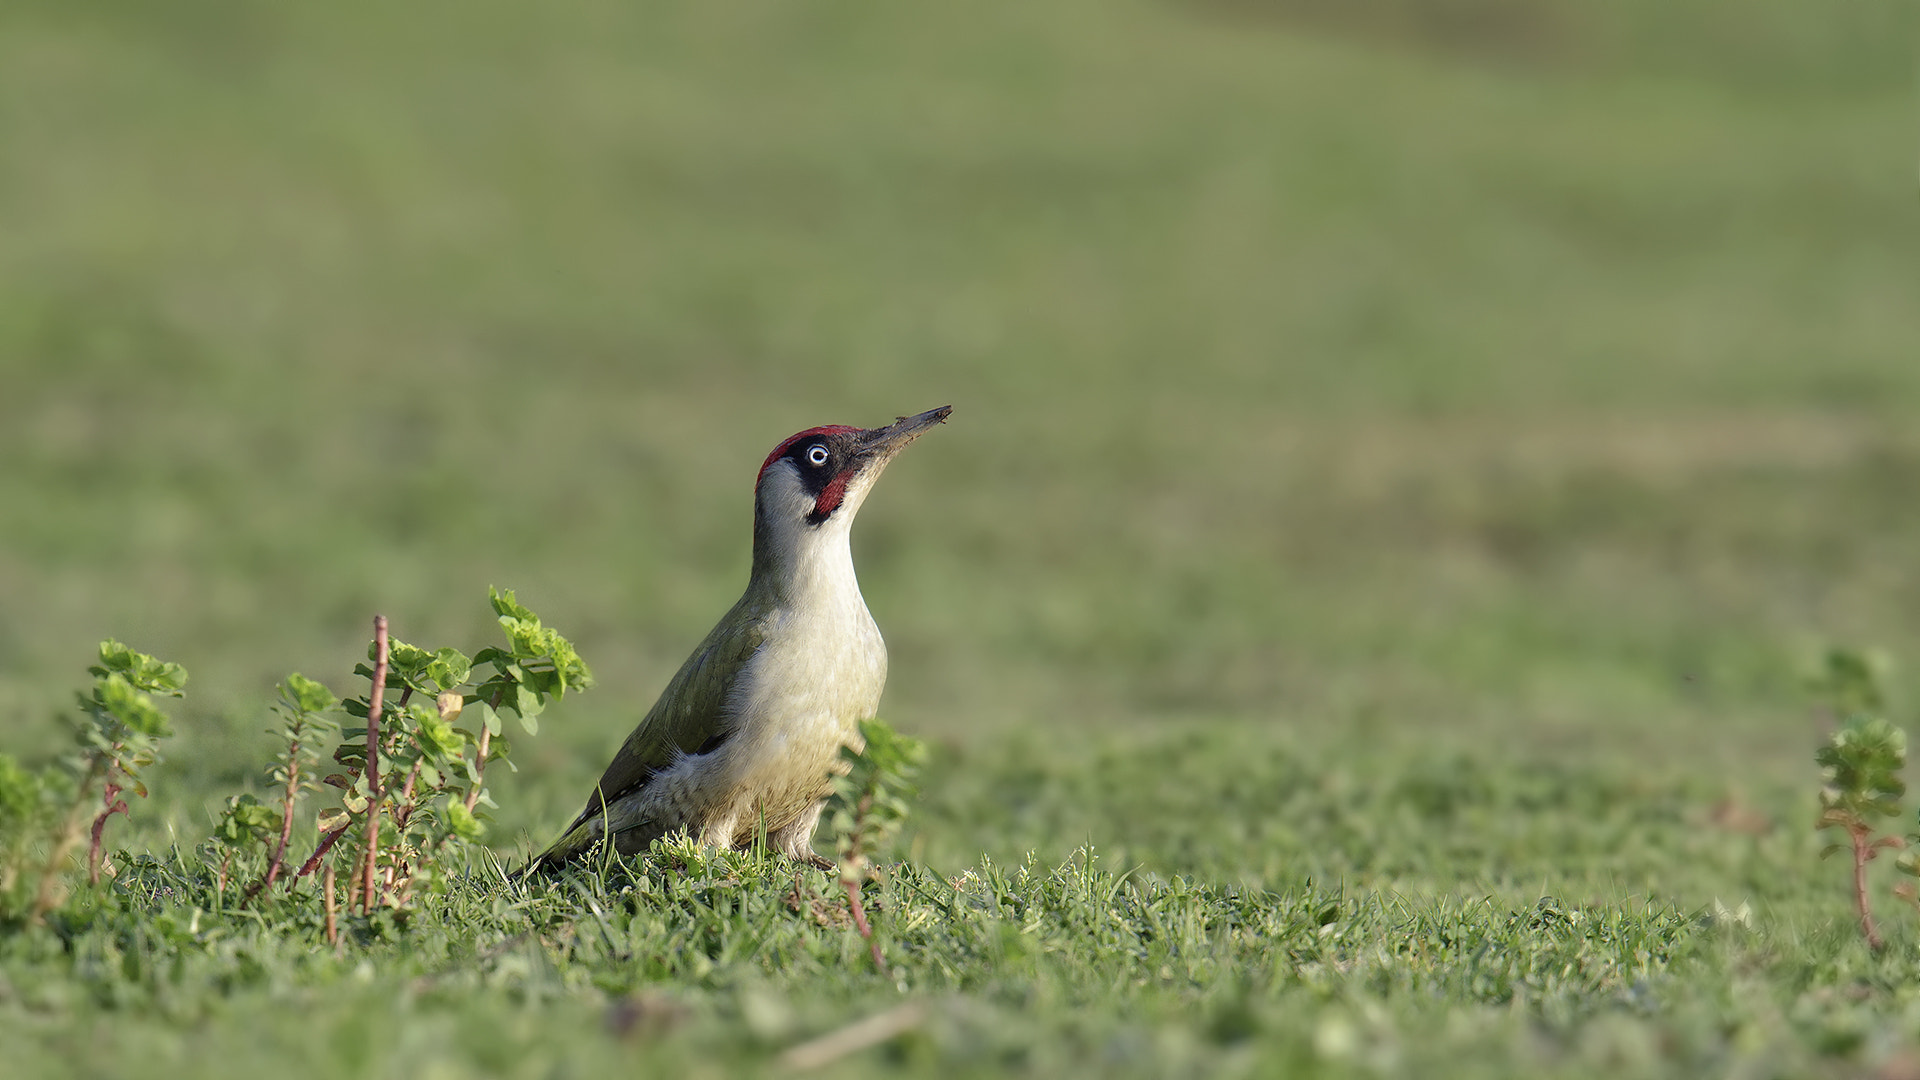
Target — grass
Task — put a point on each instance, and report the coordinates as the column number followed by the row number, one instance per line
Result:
column 1434, row 918
column 1403, row 454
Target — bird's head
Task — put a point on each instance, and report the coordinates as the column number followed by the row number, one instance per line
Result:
column 813, row 483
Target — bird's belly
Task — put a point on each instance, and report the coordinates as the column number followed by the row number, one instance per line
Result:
column 795, row 707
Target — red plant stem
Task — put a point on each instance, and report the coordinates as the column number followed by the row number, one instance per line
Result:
column 114, row 805
column 374, row 701
column 849, row 879
column 1862, row 852
column 286, row 816
column 860, row 922
column 403, row 806
column 320, row 852
column 403, row 811
column 333, row 929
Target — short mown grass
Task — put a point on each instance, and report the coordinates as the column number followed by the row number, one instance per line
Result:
column 1272, row 909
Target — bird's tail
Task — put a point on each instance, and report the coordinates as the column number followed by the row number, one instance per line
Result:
column 587, row 833
column 584, row 836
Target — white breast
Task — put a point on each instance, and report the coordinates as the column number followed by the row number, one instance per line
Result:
column 821, row 669
column 818, row 673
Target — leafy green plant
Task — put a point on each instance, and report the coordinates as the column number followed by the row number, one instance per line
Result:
column 44, row 813
column 411, row 780
column 1860, row 769
column 1862, row 763
column 304, row 709
column 870, row 802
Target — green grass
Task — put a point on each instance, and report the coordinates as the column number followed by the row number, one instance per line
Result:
column 1403, row 455
column 1432, row 919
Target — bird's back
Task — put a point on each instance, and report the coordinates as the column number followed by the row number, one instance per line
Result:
column 688, row 719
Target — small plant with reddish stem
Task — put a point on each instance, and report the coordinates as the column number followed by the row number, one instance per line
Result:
column 118, row 729
column 412, row 780
column 870, row 803
column 304, row 709
column 1862, row 765
column 1860, row 769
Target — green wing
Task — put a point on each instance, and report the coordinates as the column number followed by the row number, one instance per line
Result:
column 687, row 717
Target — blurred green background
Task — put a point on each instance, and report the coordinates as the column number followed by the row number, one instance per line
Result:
column 1461, row 376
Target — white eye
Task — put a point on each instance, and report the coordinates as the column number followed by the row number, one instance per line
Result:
column 816, row 455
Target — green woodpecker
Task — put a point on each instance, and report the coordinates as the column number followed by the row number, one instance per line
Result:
column 747, row 734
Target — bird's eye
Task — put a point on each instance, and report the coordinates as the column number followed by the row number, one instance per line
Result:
column 816, row 455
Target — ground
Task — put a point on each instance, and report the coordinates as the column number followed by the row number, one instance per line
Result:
column 1405, row 456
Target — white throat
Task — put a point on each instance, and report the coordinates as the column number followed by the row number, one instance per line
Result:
column 806, row 566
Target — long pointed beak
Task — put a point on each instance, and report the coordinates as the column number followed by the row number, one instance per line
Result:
column 883, row 443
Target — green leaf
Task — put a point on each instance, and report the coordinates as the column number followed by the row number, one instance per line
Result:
column 143, row 671
column 246, row 819
column 129, row 705
column 527, row 702
column 438, row 737
column 450, row 668
column 306, row 695
column 400, row 655
column 533, row 642
column 488, row 718
column 461, row 821
column 505, row 606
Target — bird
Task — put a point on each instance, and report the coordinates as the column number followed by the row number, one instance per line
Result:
column 745, row 738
